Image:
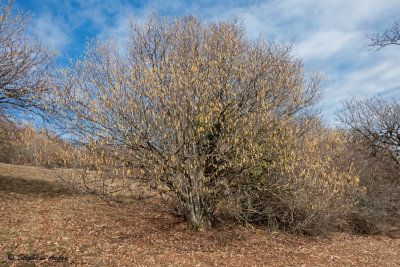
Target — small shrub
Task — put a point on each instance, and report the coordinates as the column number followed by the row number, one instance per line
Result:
column 304, row 187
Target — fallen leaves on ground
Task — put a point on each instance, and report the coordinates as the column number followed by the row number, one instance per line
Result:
column 43, row 218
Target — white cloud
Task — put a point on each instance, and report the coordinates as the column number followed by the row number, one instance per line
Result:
column 51, row 31
column 324, row 44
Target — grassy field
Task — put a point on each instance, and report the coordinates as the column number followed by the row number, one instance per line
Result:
column 43, row 222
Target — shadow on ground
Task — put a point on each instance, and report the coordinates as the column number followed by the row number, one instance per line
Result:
column 35, row 187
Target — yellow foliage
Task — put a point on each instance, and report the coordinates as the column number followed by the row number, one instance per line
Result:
column 186, row 103
column 315, row 180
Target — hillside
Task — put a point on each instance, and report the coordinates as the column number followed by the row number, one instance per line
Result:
column 39, row 217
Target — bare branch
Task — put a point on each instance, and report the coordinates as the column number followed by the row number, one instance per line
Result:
column 388, row 37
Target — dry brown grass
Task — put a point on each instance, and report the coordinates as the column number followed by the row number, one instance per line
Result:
column 39, row 216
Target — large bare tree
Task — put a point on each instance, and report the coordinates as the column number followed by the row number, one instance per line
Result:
column 23, row 63
column 188, row 103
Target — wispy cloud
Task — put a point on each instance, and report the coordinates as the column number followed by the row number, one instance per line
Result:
column 52, row 31
column 325, row 44
column 330, row 37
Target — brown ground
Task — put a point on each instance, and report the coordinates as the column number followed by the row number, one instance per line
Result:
column 40, row 217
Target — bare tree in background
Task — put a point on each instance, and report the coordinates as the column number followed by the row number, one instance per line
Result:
column 377, row 121
column 388, row 37
column 23, row 63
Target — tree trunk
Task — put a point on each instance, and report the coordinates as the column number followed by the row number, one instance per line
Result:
column 197, row 218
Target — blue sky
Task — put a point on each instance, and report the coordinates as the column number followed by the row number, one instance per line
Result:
column 328, row 34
